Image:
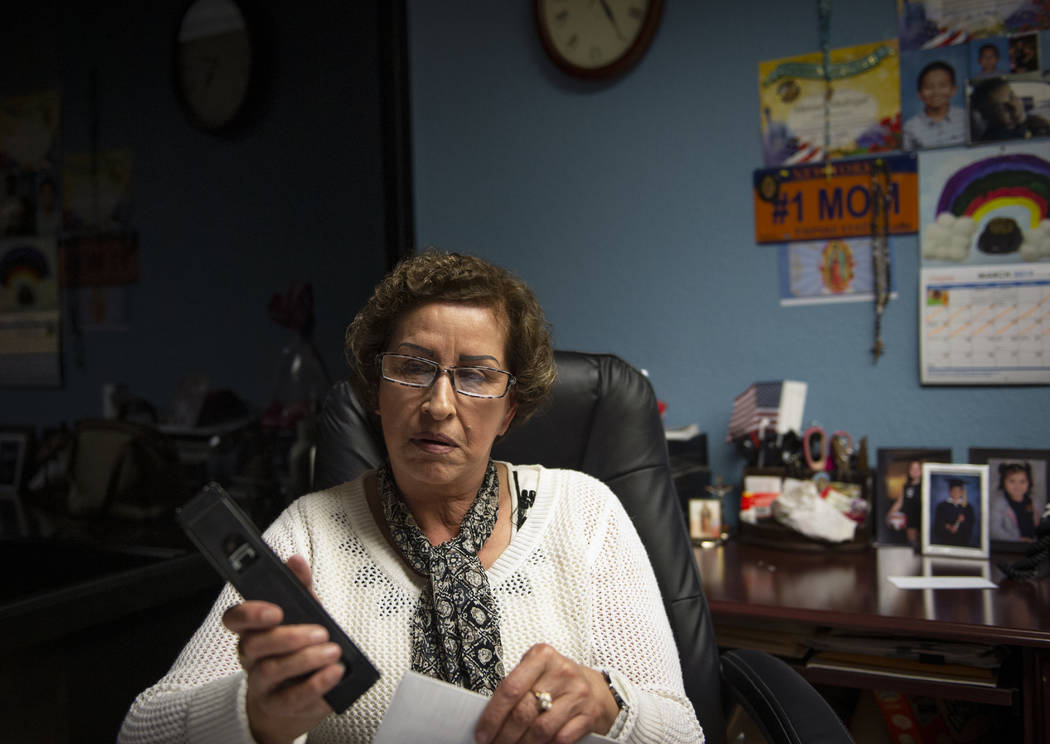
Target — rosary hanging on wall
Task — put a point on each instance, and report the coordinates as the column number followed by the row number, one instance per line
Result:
column 880, row 246
column 880, row 179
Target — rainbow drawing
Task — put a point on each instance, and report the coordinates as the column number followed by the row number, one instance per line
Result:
column 23, row 262
column 1015, row 180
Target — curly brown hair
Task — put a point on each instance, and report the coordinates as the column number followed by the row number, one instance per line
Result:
column 435, row 276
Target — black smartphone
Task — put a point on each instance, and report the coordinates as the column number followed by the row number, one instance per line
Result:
column 232, row 544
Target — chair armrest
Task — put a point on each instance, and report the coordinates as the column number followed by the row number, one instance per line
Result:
column 783, row 704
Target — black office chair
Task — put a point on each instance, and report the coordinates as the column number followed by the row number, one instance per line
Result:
column 603, row 420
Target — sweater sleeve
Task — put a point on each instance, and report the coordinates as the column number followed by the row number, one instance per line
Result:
column 632, row 636
column 202, row 697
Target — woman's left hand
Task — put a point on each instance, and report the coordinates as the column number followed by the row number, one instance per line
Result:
column 581, row 702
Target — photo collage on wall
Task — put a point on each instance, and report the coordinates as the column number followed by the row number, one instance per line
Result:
column 988, row 89
column 29, row 225
column 970, row 101
column 821, row 217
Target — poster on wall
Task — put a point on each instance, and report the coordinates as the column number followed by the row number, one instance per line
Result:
column 823, row 271
column 863, row 113
column 984, row 284
column 925, row 24
column 29, row 228
column 29, row 312
column 818, row 202
column 100, row 258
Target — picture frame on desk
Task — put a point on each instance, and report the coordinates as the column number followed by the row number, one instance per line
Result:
column 14, row 454
column 706, row 525
column 15, row 448
column 898, row 495
column 1024, row 474
column 955, row 510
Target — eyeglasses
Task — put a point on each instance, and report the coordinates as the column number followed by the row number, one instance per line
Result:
column 417, row 372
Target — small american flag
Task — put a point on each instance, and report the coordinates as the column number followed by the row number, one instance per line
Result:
column 779, row 403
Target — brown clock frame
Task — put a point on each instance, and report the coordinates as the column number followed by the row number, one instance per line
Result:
column 621, row 64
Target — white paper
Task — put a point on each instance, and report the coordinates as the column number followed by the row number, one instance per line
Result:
column 427, row 709
column 941, row 582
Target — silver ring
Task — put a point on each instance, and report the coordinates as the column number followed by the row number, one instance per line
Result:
column 543, row 699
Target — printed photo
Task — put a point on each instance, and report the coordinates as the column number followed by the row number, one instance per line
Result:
column 1024, row 53
column 1008, row 107
column 1017, row 491
column 955, row 510
column 705, row 519
column 933, row 97
column 989, row 57
column 898, row 505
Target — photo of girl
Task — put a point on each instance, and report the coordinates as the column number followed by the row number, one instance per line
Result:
column 1016, row 495
column 906, row 512
column 1013, row 516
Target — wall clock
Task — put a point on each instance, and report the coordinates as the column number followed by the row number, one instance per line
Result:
column 216, row 63
column 597, row 38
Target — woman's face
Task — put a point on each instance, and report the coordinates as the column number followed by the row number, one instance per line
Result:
column 915, row 471
column 439, row 440
column 1016, row 485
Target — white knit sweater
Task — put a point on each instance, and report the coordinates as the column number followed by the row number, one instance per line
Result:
column 575, row 576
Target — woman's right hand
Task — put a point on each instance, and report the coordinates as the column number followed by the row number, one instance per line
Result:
column 289, row 667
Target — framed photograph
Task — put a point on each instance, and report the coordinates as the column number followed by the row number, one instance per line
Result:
column 15, row 448
column 1017, row 492
column 705, row 520
column 14, row 451
column 898, row 494
column 955, row 510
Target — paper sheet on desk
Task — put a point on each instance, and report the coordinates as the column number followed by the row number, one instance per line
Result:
column 941, row 582
column 427, row 709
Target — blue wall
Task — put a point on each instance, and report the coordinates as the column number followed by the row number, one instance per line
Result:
column 223, row 223
column 627, row 207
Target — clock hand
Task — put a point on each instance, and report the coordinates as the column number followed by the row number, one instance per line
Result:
column 612, row 18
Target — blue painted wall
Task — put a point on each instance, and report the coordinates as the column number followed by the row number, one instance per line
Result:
column 627, row 207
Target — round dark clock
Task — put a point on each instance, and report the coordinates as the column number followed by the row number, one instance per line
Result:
column 597, row 38
column 216, row 63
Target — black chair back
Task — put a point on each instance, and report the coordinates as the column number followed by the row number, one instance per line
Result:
column 602, row 420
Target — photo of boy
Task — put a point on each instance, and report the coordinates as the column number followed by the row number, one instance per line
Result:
column 954, row 518
column 940, row 122
column 955, row 510
column 989, row 60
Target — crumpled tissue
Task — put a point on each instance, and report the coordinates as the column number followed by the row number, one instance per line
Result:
column 800, row 507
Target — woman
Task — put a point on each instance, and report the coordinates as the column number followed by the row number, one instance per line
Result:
column 545, row 598
column 1013, row 515
column 906, row 511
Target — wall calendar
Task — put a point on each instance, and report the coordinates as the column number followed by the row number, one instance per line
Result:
column 984, row 281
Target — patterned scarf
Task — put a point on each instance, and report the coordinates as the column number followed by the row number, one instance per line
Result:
column 455, row 629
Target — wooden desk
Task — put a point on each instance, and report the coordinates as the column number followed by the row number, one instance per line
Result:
column 851, row 591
